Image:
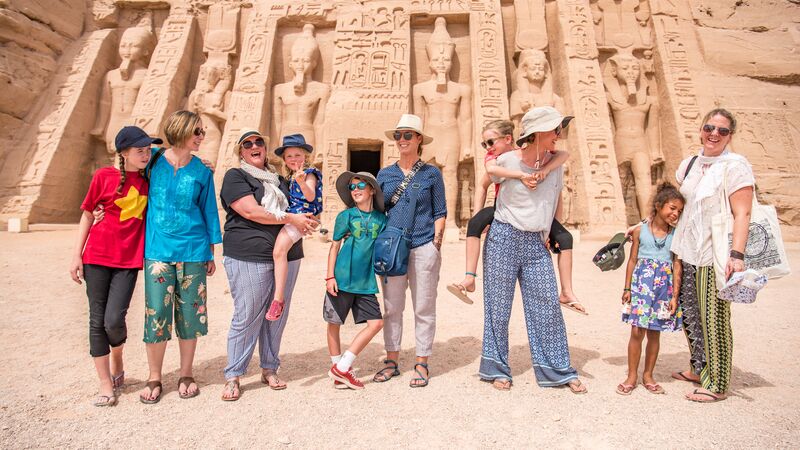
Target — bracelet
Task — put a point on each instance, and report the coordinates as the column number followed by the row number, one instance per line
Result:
column 737, row 255
column 471, row 273
column 329, row 279
column 626, row 290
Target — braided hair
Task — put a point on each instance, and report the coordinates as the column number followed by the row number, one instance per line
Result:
column 122, row 173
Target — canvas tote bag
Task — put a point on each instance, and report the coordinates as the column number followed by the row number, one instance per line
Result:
column 764, row 251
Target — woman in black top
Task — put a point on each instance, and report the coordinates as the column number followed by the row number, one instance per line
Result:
column 247, row 244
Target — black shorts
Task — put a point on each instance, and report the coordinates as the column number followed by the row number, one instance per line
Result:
column 364, row 306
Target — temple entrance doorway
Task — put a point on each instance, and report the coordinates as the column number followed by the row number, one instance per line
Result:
column 364, row 156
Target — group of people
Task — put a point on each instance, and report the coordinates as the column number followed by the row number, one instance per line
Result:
column 158, row 212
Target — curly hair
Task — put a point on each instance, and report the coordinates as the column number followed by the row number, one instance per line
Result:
column 665, row 192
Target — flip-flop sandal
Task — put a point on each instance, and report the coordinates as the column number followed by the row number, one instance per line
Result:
column 383, row 376
column 276, row 385
column 681, row 377
column 625, row 389
column 234, row 387
column 423, row 378
column 188, row 382
column 275, row 311
column 105, row 400
column 118, row 380
column 152, row 385
column 502, row 384
column 460, row 292
column 576, row 388
column 571, row 306
column 654, row 388
column 711, row 397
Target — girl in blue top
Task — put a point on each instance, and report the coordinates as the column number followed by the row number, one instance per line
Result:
column 182, row 228
column 652, row 284
column 305, row 196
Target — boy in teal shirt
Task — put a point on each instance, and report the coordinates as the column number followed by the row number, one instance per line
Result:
column 350, row 282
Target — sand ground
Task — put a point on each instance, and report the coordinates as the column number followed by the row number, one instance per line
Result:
column 47, row 380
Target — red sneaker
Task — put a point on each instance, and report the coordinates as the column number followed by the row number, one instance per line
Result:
column 348, row 378
column 339, row 385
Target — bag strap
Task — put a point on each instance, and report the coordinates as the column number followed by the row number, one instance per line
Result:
column 150, row 164
column 404, row 184
column 689, row 167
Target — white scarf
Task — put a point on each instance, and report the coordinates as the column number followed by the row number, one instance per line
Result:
column 273, row 201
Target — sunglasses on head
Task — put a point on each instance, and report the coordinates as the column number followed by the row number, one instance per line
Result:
column 490, row 142
column 247, row 145
column 361, row 185
column 407, row 135
column 708, row 128
column 199, row 132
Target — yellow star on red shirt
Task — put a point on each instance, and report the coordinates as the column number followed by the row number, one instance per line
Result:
column 132, row 205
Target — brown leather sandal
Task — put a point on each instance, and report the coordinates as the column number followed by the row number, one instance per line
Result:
column 152, row 385
column 188, row 382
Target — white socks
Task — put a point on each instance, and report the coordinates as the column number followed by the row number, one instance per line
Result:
column 346, row 361
column 336, row 359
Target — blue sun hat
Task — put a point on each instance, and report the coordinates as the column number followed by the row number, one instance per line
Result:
column 293, row 140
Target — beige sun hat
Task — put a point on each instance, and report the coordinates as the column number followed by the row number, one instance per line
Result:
column 412, row 123
column 540, row 120
column 344, row 190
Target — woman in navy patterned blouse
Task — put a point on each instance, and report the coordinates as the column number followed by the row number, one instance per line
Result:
column 427, row 224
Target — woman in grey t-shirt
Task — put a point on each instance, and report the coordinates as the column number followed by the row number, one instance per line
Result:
column 515, row 250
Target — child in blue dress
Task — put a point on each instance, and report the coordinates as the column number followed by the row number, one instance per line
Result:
column 652, row 284
column 305, row 196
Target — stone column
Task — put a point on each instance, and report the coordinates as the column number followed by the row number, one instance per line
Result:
column 54, row 167
column 598, row 177
column 163, row 91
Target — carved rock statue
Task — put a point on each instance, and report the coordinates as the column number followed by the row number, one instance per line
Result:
column 465, row 189
column 446, row 110
column 621, row 23
column 299, row 105
column 534, row 86
column 121, row 85
column 208, row 99
column 635, row 118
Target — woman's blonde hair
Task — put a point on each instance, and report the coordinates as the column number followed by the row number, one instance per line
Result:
column 180, row 126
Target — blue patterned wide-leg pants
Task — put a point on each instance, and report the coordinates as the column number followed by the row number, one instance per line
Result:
column 511, row 255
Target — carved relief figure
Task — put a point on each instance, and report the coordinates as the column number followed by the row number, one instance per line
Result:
column 299, row 105
column 446, row 110
column 208, row 100
column 635, row 124
column 465, row 188
column 621, row 23
column 534, row 86
column 121, row 86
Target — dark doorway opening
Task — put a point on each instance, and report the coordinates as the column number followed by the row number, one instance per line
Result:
column 364, row 156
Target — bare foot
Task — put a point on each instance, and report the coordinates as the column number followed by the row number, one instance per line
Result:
column 571, row 302
column 705, row 396
column 187, row 390
column 686, row 376
column 468, row 283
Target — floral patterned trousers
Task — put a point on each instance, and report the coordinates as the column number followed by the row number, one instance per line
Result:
column 178, row 287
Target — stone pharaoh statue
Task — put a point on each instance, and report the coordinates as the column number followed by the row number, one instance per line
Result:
column 446, row 110
column 534, row 86
column 635, row 124
column 208, row 100
column 299, row 105
column 121, row 86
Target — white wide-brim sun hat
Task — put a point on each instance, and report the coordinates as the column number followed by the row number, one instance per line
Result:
column 412, row 123
column 540, row 120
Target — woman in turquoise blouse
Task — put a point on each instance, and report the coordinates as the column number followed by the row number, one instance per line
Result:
column 182, row 228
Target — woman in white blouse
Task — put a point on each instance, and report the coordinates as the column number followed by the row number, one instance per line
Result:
column 707, row 318
column 515, row 250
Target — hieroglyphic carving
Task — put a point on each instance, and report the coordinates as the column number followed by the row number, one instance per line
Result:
column 249, row 94
column 673, row 51
column 215, row 79
column 164, row 87
column 601, row 185
column 621, row 23
column 489, row 75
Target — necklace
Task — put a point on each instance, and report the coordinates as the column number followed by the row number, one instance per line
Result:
column 660, row 244
column 365, row 222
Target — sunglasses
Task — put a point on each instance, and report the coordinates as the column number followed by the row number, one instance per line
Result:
column 708, row 128
column 247, row 145
column 199, row 132
column 407, row 135
column 361, row 185
column 490, row 142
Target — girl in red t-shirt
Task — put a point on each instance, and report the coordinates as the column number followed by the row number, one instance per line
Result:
column 108, row 255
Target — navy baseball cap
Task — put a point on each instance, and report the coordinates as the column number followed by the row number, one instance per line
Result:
column 134, row 137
